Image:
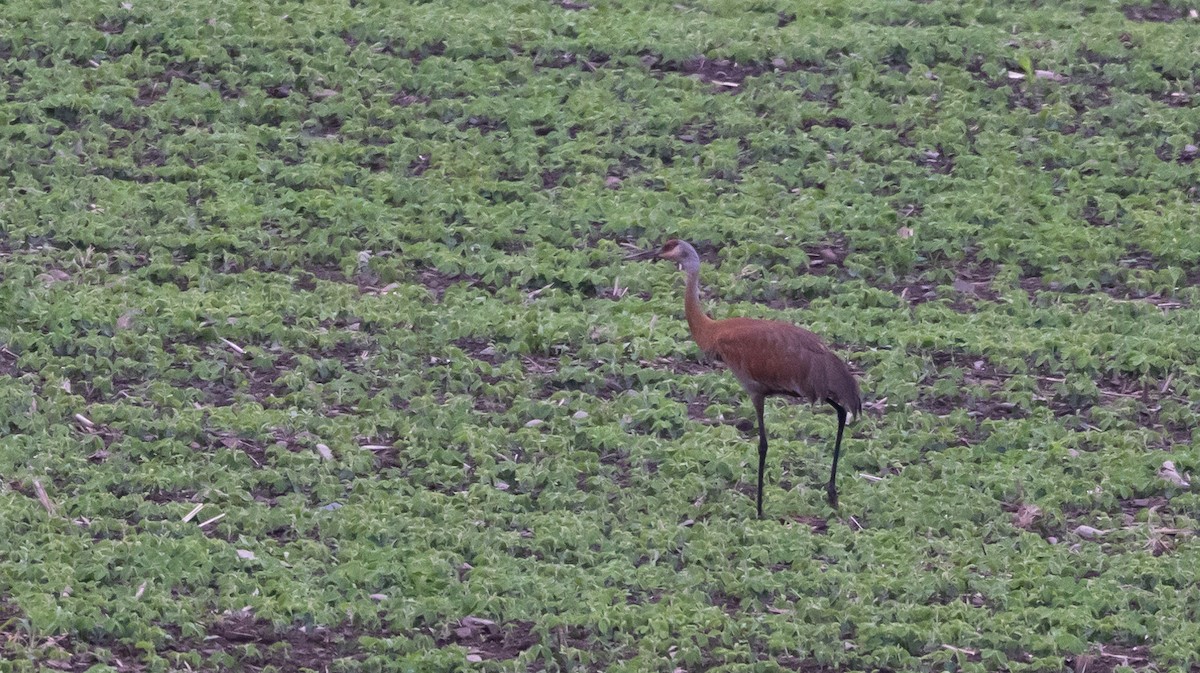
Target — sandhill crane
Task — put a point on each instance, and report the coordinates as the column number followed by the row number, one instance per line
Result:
column 768, row 358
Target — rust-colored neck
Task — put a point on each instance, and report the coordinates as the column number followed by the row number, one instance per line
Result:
column 699, row 324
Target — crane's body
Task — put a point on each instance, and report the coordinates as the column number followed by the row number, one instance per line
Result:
column 768, row 358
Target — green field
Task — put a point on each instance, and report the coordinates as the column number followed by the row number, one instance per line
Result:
column 319, row 351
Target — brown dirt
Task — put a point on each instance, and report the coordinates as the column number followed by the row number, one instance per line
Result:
column 699, row 134
column 976, row 371
column 256, row 450
column 731, row 604
column 972, row 284
column 936, row 160
column 619, row 460
column 259, row 384
column 418, row 166
column 305, row 647
column 437, row 282
column 696, row 406
column 385, row 459
column 404, row 98
column 479, row 349
column 486, row 404
column 828, row 254
column 490, row 641
column 307, row 276
column 830, row 122
column 8, row 364
column 1155, row 11
column 1108, row 658
column 484, row 125
column 551, row 178
column 815, row 524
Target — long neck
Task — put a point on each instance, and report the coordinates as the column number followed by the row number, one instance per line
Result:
column 699, row 324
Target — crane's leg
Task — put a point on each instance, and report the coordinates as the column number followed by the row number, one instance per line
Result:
column 831, row 490
column 762, row 447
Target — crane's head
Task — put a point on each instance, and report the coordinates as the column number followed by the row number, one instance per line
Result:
column 675, row 250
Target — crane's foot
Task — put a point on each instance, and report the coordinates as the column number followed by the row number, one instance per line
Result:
column 831, row 496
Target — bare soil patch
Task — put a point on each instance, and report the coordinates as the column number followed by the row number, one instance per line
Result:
column 418, row 166
column 936, row 160
column 437, row 282
column 1155, row 11
column 699, row 134
column 479, row 349
column 404, row 98
column 489, row 640
column 1108, row 658
column 259, row 383
column 417, row 54
column 307, row 276
column 975, row 370
column 551, row 178
column 484, row 125
column 254, row 449
column 728, row 602
column 972, row 283
column 696, row 407
column 307, row 648
column 828, row 254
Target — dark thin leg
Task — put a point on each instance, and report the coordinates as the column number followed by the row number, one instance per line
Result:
column 831, row 490
column 762, row 448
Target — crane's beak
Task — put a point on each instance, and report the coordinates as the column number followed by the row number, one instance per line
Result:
column 636, row 254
